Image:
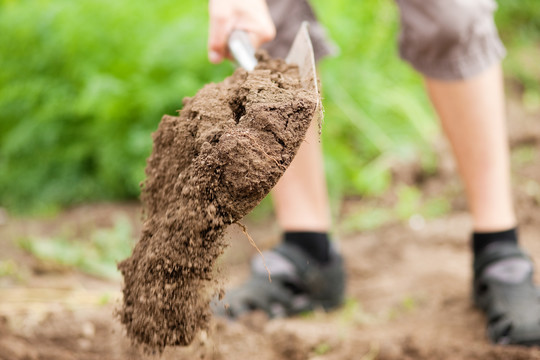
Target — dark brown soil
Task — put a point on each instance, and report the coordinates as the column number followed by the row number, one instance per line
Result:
column 209, row 167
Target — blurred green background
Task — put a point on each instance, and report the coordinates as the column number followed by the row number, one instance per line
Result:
column 84, row 83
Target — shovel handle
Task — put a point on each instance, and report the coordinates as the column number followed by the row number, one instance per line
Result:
column 242, row 50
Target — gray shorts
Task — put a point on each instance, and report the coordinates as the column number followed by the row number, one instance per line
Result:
column 442, row 39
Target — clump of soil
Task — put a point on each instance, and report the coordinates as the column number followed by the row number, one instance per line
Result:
column 209, row 167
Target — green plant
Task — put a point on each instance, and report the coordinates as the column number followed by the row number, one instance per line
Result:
column 410, row 204
column 84, row 83
column 352, row 313
column 322, row 348
column 80, row 96
column 376, row 108
column 97, row 256
column 9, row 268
column 519, row 27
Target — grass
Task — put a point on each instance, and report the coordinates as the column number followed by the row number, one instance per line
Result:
column 96, row 256
column 352, row 314
column 322, row 349
column 9, row 268
column 525, row 155
column 410, row 206
column 376, row 109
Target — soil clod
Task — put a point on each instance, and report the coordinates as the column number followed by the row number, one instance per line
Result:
column 209, row 167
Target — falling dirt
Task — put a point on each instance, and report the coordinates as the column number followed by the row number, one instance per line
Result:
column 209, row 167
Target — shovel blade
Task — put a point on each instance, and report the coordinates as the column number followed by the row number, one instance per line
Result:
column 301, row 54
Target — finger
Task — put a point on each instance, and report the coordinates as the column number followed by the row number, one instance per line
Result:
column 220, row 28
column 258, row 38
column 267, row 32
column 259, row 33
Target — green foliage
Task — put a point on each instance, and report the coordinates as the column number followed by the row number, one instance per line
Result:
column 97, row 256
column 410, row 205
column 84, row 83
column 519, row 27
column 352, row 313
column 376, row 108
column 518, row 21
column 9, row 268
column 367, row 218
column 322, row 348
column 525, row 155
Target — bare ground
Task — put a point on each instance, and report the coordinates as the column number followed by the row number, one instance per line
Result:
column 408, row 288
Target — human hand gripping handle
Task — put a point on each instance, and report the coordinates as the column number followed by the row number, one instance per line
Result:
column 250, row 16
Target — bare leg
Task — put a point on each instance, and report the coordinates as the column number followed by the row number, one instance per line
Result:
column 472, row 113
column 300, row 197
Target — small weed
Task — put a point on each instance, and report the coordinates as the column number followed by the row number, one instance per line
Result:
column 322, row 349
column 524, row 155
column 352, row 313
column 531, row 100
column 367, row 219
column 308, row 315
column 8, row 268
column 410, row 207
column 98, row 256
column 532, row 188
column 409, row 201
column 437, row 207
column 407, row 305
column 104, row 299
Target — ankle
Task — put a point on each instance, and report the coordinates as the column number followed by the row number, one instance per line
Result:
column 481, row 240
column 315, row 244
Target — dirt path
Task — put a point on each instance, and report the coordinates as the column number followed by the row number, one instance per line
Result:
column 408, row 291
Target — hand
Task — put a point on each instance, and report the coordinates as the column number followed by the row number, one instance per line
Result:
column 251, row 16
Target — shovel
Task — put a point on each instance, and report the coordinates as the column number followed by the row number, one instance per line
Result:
column 300, row 54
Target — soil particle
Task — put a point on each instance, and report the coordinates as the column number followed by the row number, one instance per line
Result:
column 209, row 167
